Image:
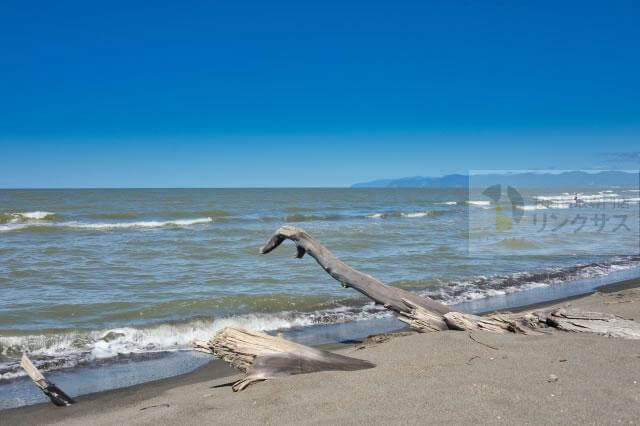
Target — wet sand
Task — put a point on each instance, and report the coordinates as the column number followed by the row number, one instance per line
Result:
column 420, row 378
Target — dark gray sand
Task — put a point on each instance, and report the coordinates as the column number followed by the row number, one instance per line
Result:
column 429, row 378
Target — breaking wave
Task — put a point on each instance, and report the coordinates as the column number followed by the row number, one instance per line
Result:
column 567, row 199
column 69, row 348
column 142, row 224
column 17, row 217
column 72, row 348
column 455, row 292
column 37, row 223
column 480, row 203
column 426, row 213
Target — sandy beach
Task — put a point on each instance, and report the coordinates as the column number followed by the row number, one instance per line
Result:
column 445, row 377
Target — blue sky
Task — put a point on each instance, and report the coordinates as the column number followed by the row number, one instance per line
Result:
column 226, row 94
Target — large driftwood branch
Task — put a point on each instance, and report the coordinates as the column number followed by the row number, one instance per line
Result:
column 264, row 357
column 424, row 314
column 391, row 297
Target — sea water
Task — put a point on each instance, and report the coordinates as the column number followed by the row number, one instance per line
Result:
column 97, row 277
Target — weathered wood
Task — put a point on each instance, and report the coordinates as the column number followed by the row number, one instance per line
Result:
column 55, row 394
column 422, row 320
column 264, row 357
column 526, row 323
column 533, row 322
column 604, row 324
column 424, row 314
column 391, row 297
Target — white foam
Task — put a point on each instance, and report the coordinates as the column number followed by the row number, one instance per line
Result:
column 142, row 224
column 25, row 217
column 481, row 287
column 37, row 215
column 415, row 214
column 543, row 206
column 449, row 203
column 409, row 215
column 14, row 226
column 74, row 348
column 567, row 200
column 532, row 207
column 603, row 196
column 480, row 203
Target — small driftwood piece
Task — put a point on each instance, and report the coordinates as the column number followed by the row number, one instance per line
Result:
column 55, row 394
column 263, row 357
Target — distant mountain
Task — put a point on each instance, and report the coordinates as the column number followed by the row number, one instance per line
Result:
column 448, row 181
column 605, row 179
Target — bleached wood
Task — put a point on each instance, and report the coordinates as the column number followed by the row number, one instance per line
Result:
column 420, row 319
column 55, row 394
column 604, row 324
column 391, row 297
column 264, row 357
column 32, row 371
column 424, row 314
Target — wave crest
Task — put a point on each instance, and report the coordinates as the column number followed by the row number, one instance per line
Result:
column 20, row 217
column 426, row 213
column 69, row 349
column 37, row 224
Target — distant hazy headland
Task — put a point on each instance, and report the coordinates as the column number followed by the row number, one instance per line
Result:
column 529, row 179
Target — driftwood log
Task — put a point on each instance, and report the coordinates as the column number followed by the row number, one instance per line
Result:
column 424, row 314
column 55, row 394
column 262, row 356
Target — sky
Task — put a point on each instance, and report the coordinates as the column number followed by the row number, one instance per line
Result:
column 326, row 93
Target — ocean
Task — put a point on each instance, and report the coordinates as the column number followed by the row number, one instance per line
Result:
column 103, row 278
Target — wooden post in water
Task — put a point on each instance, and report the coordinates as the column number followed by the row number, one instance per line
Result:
column 55, row 394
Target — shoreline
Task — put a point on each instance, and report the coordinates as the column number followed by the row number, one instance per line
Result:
column 105, row 402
